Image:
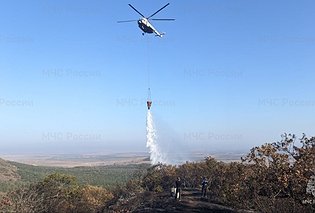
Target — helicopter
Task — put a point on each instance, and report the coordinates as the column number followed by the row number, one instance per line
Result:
column 144, row 23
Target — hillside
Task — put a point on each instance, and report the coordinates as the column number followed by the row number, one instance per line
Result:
column 105, row 176
column 8, row 172
column 13, row 174
column 267, row 180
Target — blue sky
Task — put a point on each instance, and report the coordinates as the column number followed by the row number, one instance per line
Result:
column 228, row 75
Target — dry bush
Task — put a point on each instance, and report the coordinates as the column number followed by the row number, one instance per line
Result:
column 280, row 172
column 56, row 193
column 159, row 178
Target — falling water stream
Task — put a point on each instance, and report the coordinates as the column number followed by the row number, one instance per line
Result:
column 155, row 153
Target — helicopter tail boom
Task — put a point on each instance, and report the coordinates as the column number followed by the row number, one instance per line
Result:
column 159, row 34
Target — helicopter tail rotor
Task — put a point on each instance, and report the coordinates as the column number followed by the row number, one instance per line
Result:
column 160, row 35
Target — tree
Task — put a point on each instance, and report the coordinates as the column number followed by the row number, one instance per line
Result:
column 283, row 168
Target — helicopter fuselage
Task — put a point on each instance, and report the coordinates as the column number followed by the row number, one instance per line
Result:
column 147, row 27
column 144, row 23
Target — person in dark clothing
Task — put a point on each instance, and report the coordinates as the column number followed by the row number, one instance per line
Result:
column 204, row 187
column 178, row 184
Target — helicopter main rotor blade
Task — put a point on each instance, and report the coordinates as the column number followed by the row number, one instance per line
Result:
column 126, row 21
column 136, row 10
column 162, row 19
column 158, row 10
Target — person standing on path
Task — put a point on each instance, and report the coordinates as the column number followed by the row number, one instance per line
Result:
column 178, row 184
column 204, row 187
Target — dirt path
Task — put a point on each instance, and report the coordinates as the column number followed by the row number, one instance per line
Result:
column 191, row 201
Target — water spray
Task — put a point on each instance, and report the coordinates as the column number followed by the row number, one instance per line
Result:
column 156, row 155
